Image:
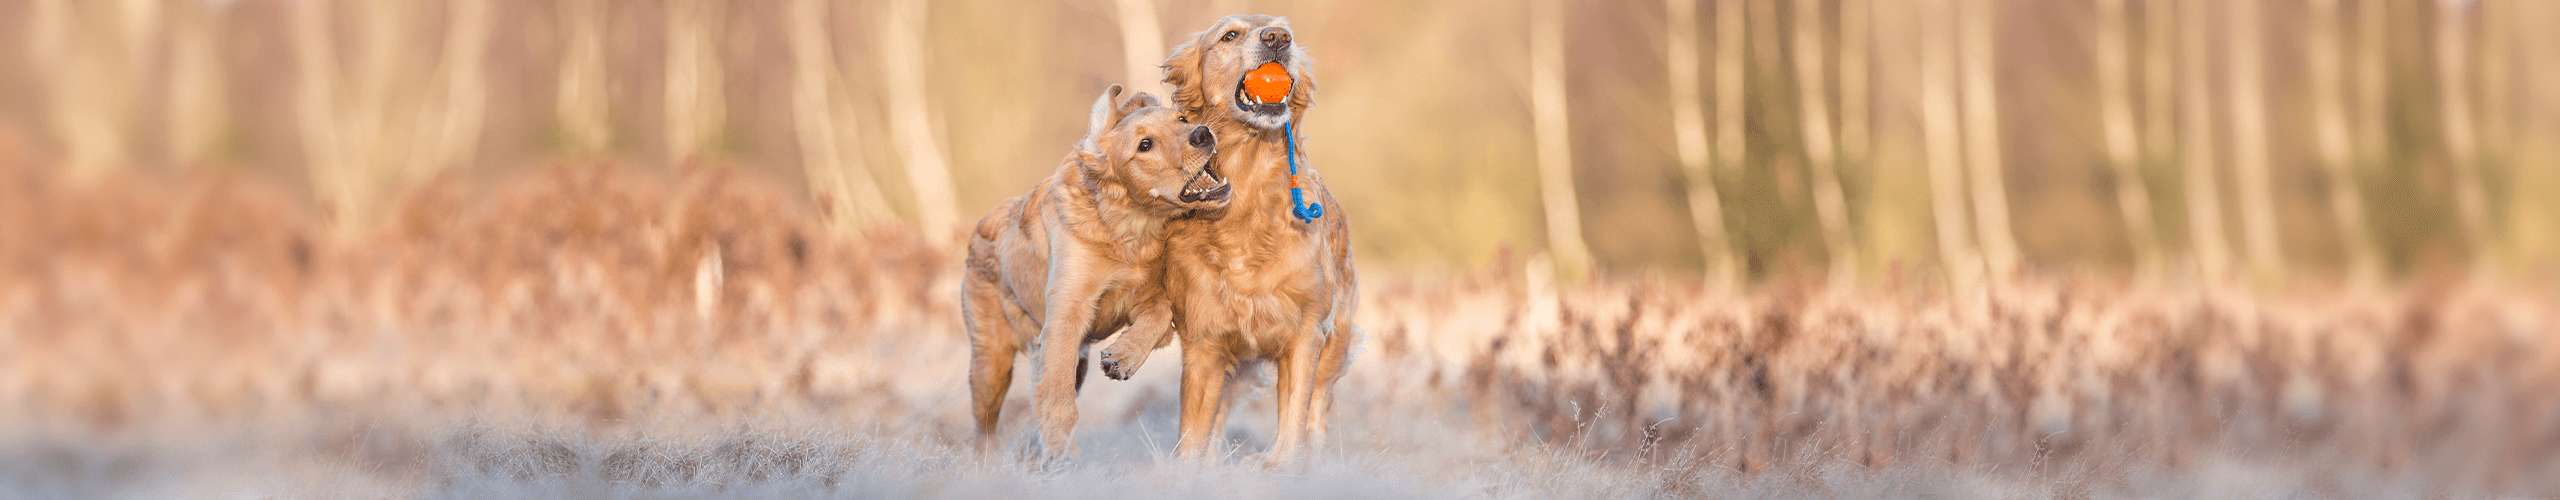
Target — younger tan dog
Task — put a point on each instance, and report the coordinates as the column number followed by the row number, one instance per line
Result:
column 1077, row 258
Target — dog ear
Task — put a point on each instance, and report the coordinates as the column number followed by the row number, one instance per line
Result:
column 1106, row 113
column 1182, row 72
column 1302, row 93
column 1137, row 101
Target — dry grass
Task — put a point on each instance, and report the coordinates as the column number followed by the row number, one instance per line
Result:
column 587, row 330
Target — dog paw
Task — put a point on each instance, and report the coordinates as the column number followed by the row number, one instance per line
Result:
column 1120, row 361
column 1046, row 462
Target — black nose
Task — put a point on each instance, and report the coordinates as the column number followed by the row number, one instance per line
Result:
column 1201, row 138
column 1275, row 38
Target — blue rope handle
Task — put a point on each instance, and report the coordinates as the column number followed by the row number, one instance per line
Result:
column 1298, row 206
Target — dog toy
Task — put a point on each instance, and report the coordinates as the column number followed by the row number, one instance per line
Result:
column 1268, row 83
column 1298, row 205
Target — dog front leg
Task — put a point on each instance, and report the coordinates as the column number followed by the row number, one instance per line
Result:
column 1295, row 393
column 1204, row 383
column 1062, row 330
column 1149, row 329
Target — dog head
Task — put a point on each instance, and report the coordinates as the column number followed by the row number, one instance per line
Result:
column 1138, row 145
column 1208, row 71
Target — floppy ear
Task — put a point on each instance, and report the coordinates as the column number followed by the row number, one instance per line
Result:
column 1182, row 72
column 1106, row 113
column 1137, row 101
column 1302, row 93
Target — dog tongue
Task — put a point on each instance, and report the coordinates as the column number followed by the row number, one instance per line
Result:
column 1267, row 83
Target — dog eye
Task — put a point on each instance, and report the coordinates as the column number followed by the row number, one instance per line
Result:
column 1145, row 145
column 1230, row 36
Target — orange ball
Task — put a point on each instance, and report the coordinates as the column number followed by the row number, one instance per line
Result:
column 1268, row 83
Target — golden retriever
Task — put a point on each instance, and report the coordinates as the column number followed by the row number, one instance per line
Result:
column 1253, row 283
column 1078, row 258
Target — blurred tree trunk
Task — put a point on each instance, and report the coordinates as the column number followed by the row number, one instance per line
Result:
column 2346, row 202
column 1141, row 45
column 1732, row 57
column 465, row 96
column 383, row 148
column 2159, row 95
column 2461, row 139
column 1857, row 119
column 1857, row 116
column 2123, row 144
column 902, row 53
column 581, row 94
column 2531, row 219
column 2249, row 161
column 823, row 122
column 2204, row 192
column 1689, row 130
column 1979, row 22
column 316, row 110
column 1548, row 115
column 93, row 64
column 694, row 95
column 1944, row 144
column 2373, row 114
column 195, row 91
column 1830, row 205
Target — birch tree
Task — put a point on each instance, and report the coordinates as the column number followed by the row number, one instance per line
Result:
column 823, row 121
column 1830, row 204
column 1548, row 115
column 195, row 109
column 2330, row 137
column 1141, row 45
column 2247, row 90
column 580, row 95
column 1938, row 127
column 2123, row 143
column 464, row 96
column 1978, row 20
column 1689, row 131
column 912, row 122
column 2204, row 196
column 2461, row 137
column 694, row 102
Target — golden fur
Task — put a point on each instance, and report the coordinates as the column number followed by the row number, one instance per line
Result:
column 1078, row 258
column 1253, row 283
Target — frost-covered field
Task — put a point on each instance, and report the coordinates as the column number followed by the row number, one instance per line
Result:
column 587, row 335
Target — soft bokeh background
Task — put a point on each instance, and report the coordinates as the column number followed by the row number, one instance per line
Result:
column 2431, row 122
column 1963, row 248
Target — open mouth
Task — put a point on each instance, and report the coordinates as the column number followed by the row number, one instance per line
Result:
column 1206, row 186
column 1265, row 90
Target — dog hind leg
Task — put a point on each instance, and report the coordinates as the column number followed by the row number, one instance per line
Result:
column 992, row 347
